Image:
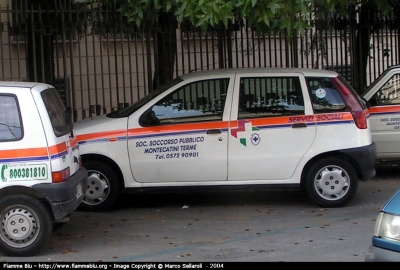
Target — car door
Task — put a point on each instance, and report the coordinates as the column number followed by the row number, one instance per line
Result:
column 188, row 136
column 384, row 100
column 270, row 129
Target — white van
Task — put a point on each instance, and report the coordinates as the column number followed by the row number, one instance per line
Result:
column 42, row 181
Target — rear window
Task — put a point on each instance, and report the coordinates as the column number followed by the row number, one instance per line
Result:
column 325, row 95
column 57, row 112
column 10, row 119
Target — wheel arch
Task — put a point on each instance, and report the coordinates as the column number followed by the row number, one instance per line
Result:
column 110, row 162
column 336, row 154
column 27, row 191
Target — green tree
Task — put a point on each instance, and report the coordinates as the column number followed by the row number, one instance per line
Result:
column 290, row 17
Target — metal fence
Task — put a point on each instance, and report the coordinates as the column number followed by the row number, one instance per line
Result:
column 101, row 63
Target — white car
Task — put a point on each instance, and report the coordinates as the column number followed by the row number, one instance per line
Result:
column 383, row 96
column 272, row 127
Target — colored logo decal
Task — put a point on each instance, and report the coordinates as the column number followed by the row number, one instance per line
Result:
column 243, row 128
column 255, row 139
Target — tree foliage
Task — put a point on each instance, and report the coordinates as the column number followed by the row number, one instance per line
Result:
column 287, row 17
column 265, row 16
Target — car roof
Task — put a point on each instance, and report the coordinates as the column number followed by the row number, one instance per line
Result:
column 244, row 71
column 18, row 84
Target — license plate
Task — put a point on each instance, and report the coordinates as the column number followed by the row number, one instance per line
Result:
column 79, row 192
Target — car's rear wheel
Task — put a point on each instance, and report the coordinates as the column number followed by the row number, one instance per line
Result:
column 103, row 187
column 26, row 225
column 331, row 182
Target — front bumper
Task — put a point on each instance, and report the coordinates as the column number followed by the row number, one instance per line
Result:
column 377, row 254
column 66, row 196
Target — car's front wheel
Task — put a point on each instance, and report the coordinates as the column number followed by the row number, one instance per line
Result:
column 331, row 182
column 26, row 225
column 103, row 187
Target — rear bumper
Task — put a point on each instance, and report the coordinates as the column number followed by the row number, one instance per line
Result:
column 365, row 158
column 66, row 196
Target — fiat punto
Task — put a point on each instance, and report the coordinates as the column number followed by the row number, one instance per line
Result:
column 297, row 128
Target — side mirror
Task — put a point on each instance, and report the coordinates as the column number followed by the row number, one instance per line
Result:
column 148, row 118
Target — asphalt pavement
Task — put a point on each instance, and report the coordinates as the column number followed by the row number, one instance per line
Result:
column 215, row 227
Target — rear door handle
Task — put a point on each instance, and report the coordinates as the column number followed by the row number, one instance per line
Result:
column 299, row 125
column 214, row 131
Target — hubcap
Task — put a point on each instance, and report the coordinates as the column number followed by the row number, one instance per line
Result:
column 332, row 183
column 19, row 227
column 97, row 190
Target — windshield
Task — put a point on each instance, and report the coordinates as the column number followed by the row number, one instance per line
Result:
column 138, row 104
column 376, row 80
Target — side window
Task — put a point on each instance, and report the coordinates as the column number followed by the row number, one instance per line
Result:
column 270, row 96
column 10, row 119
column 389, row 92
column 198, row 101
column 325, row 96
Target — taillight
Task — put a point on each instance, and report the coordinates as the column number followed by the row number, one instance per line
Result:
column 61, row 175
column 353, row 104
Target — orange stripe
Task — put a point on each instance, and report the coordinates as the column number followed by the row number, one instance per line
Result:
column 179, row 127
column 298, row 118
column 34, row 152
column 384, row 109
column 73, row 141
column 26, row 152
column 58, row 148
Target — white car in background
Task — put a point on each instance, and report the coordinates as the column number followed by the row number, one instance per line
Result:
column 383, row 96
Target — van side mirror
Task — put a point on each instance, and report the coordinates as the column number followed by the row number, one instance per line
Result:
column 148, row 118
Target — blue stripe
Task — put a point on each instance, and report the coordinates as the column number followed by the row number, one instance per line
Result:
column 335, row 123
column 55, row 156
column 10, row 160
column 383, row 113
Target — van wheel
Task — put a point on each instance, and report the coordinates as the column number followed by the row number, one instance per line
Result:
column 103, row 187
column 331, row 182
column 26, row 225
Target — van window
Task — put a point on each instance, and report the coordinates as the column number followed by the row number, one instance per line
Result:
column 325, row 96
column 389, row 93
column 197, row 101
column 270, row 96
column 57, row 112
column 10, row 119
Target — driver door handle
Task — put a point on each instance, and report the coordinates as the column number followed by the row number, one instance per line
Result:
column 214, row 131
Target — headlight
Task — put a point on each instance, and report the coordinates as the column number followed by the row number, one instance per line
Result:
column 387, row 226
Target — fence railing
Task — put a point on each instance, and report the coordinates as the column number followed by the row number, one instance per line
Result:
column 100, row 63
